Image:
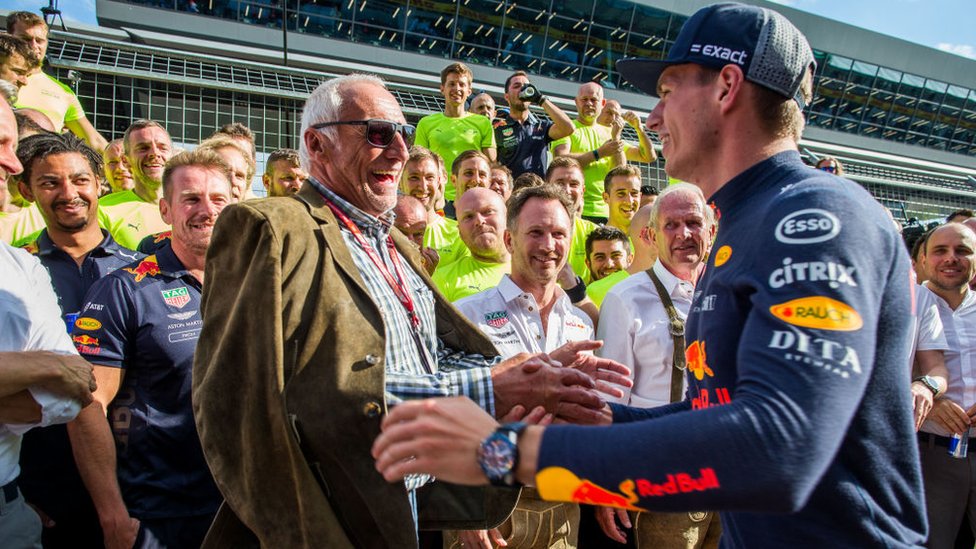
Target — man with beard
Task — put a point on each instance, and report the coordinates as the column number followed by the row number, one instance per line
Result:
column 140, row 325
column 481, row 224
column 61, row 176
column 283, row 174
column 607, row 252
column 523, row 138
column 135, row 214
column 116, row 170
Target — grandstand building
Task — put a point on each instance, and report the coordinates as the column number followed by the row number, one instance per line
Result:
column 900, row 116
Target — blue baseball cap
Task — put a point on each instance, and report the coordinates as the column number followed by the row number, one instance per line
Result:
column 770, row 50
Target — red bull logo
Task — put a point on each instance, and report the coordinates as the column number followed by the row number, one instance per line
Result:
column 85, row 339
column 159, row 237
column 561, row 484
column 147, row 267
column 695, row 358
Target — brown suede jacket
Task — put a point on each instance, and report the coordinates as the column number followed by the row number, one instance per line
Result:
column 288, row 386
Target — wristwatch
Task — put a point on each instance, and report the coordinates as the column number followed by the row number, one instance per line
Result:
column 929, row 383
column 498, row 454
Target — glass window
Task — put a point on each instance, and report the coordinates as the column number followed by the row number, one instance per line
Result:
column 523, row 37
column 478, row 27
column 605, row 47
column 934, row 90
column 863, row 73
column 614, row 13
column 651, row 22
column 565, row 42
column 388, row 14
column 322, row 17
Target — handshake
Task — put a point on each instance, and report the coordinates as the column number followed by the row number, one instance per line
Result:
column 531, row 94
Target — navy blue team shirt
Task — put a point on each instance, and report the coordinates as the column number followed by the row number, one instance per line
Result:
column 797, row 424
column 48, row 475
column 145, row 319
column 523, row 147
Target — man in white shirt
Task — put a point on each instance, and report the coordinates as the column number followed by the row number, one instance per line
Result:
column 950, row 264
column 635, row 327
column 528, row 312
column 42, row 379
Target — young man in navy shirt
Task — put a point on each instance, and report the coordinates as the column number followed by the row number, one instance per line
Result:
column 61, row 177
column 795, row 424
column 141, row 325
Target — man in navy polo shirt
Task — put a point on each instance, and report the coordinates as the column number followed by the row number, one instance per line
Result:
column 141, row 325
column 61, row 177
column 522, row 138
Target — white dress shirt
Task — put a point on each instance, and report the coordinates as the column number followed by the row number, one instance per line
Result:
column 510, row 318
column 929, row 332
column 960, row 358
column 31, row 321
column 634, row 329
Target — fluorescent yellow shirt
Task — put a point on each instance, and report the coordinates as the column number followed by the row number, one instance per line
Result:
column 54, row 99
column 468, row 276
column 450, row 137
column 599, row 288
column 442, row 236
column 131, row 219
column 586, row 139
column 577, row 248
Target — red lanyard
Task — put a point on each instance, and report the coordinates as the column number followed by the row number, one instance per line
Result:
column 398, row 284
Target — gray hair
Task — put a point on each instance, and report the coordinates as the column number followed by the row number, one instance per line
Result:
column 9, row 92
column 324, row 105
column 686, row 188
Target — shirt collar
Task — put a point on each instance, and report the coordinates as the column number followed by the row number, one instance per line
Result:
column 667, row 278
column 373, row 226
column 508, row 289
column 108, row 246
column 756, row 178
column 530, row 120
column 169, row 264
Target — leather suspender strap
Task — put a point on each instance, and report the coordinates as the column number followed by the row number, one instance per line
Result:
column 676, row 328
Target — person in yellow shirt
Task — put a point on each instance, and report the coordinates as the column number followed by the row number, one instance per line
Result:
column 481, row 225
column 566, row 173
column 594, row 146
column 134, row 214
column 45, row 93
column 423, row 178
column 454, row 131
column 622, row 193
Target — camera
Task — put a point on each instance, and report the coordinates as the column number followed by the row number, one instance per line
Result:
column 531, row 94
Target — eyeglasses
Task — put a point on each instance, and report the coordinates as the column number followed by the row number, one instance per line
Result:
column 379, row 133
column 829, row 168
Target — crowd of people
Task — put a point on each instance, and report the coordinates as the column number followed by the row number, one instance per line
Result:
column 419, row 321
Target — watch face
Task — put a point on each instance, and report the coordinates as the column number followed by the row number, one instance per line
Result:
column 496, row 456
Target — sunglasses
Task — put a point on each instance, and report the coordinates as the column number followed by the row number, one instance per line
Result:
column 379, row 133
column 831, row 169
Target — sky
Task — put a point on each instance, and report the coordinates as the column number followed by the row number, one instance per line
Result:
column 948, row 25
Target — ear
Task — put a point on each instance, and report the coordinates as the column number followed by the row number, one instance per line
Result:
column 266, row 179
column 316, row 143
column 508, row 240
column 730, row 82
column 25, row 190
column 165, row 212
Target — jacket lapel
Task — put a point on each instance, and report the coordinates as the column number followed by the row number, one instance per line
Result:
column 329, row 227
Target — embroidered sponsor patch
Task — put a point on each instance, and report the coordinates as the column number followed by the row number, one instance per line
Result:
column 146, row 267
column 722, row 255
column 496, row 319
column 807, row 226
column 85, row 339
column 177, row 297
column 819, row 312
column 87, row 323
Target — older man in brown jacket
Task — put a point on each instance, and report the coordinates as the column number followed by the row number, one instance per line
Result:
column 316, row 319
